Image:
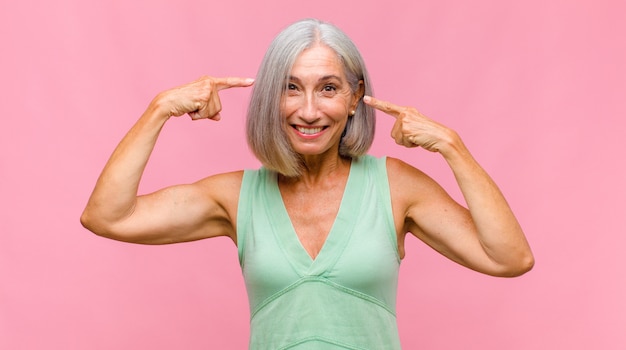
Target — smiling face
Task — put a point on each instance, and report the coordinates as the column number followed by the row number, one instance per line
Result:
column 317, row 102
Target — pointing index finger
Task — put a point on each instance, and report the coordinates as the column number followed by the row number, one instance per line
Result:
column 383, row 106
column 227, row 83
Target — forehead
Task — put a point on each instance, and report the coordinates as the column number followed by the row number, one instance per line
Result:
column 318, row 60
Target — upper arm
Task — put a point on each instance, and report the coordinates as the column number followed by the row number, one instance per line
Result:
column 182, row 213
column 428, row 212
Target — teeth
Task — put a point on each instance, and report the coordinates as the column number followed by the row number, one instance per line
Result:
column 308, row 131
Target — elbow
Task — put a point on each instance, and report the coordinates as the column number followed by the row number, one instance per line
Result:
column 88, row 221
column 95, row 224
column 110, row 229
column 521, row 266
column 527, row 264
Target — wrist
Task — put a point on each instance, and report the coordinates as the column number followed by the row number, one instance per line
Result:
column 451, row 144
column 454, row 150
column 159, row 109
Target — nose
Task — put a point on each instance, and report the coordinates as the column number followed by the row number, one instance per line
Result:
column 309, row 111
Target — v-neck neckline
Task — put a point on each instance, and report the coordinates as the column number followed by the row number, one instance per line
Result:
column 337, row 237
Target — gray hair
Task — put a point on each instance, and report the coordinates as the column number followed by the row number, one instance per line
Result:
column 266, row 135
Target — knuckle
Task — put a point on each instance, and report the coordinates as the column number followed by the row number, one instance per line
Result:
column 408, row 112
column 211, row 84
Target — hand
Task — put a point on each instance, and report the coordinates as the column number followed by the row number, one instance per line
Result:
column 199, row 98
column 412, row 128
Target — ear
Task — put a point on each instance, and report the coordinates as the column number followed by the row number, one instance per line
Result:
column 358, row 94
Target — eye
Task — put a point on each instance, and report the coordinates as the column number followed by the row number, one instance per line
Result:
column 291, row 89
column 329, row 90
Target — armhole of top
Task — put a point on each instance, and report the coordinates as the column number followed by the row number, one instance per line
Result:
column 385, row 193
column 243, row 213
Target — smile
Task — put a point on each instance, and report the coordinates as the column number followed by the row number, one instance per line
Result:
column 309, row 131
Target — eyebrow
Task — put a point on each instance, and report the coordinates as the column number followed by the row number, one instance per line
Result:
column 324, row 78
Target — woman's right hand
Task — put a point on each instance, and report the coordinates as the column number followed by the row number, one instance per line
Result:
column 199, row 98
column 173, row 214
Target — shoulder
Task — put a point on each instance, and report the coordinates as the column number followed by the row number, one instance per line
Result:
column 399, row 170
column 221, row 188
column 225, row 182
column 409, row 184
column 217, row 197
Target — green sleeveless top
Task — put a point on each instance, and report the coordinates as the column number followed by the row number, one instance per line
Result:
column 345, row 298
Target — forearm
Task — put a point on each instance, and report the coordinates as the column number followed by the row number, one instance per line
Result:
column 115, row 193
column 499, row 232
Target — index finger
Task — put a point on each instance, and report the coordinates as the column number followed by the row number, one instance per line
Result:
column 384, row 106
column 230, row 82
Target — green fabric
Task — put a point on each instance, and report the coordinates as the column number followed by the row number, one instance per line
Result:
column 344, row 298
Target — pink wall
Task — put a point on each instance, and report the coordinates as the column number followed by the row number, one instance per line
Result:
column 536, row 88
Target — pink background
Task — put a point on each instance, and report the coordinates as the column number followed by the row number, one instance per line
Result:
column 536, row 88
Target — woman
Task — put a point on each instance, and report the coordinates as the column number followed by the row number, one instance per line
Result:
column 320, row 228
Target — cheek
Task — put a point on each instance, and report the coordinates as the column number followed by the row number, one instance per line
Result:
column 287, row 107
column 336, row 107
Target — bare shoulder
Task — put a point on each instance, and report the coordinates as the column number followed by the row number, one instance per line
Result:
column 396, row 166
column 223, row 189
column 407, row 179
column 413, row 193
column 231, row 180
column 211, row 202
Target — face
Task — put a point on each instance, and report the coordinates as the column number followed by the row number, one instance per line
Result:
column 317, row 102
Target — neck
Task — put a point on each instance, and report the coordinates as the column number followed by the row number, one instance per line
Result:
column 318, row 170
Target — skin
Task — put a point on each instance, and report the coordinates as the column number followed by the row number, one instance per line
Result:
column 317, row 103
column 318, row 98
column 486, row 237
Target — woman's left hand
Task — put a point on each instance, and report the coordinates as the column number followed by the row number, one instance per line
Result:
column 487, row 237
column 412, row 128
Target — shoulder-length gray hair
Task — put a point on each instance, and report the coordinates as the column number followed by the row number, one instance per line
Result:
column 266, row 135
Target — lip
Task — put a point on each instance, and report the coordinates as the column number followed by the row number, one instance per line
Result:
column 309, row 131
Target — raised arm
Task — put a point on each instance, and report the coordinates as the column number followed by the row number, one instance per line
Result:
column 174, row 214
column 486, row 236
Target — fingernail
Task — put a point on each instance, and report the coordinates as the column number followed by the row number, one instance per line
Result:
column 367, row 98
column 249, row 80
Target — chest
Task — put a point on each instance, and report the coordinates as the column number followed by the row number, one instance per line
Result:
column 342, row 235
column 312, row 214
